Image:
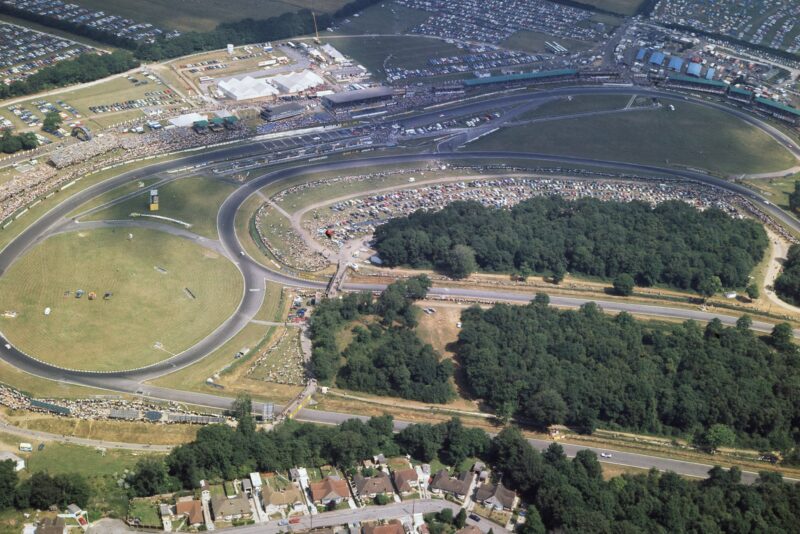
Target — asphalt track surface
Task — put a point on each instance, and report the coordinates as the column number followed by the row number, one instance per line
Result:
column 254, row 274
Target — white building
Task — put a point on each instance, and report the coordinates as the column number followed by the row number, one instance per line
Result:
column 246, row 88
column 334, row 54
column 296, row 82
column 19, row 463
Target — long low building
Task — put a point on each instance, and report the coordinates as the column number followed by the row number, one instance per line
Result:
column 697, row 84
column 778, row 110
column 544, row 76
column 360, row 97
column 282, row 111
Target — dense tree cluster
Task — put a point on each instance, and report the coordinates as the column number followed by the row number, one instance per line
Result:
column 672, row 243
column 41, row 491
column 787, row 285
column 386, row 358
column 10, row 143
column 585, row 368
column 84, row 68
column 393, row 361
column 571, row 495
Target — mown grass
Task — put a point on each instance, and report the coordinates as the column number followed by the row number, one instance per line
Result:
column 147, row 305
column 689, row 136
column 195, row 200
column 204, row 15
column 577, row 104
column 411, row 51
column 118, row 431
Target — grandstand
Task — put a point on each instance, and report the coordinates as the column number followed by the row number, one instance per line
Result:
column 281, row 112
column 127, row 415
column 358, row 98
column 194, row 419
column 778, row 110
column 697, row 84
column 547, row 76
column 55, row 408
column 740, row 95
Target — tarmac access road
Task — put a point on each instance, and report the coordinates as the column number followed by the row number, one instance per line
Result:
column 255, row 274
column 368, row 513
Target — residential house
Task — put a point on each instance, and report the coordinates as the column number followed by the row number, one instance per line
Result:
column 496, row 496
column 455, row 486
column 379, row 460
column 330, row 489
column 370, row 487
column 230, row 508
column 19, row 463
column 247, row 487
column 165, row 512
column 406, row 481
column 205, row 491
column 277, row 501
column 392, row 527
column 255, row 480
column 52, row 525
column 192, row 509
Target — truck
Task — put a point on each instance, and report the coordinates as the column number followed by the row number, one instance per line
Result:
column 25, row 447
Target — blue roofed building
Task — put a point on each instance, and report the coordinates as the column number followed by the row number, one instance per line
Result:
column 710, row 74
column 657, row 58
column 640, row 54
column 694, row 69
column 675, row 63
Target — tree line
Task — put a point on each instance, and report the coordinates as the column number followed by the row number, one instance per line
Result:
column 41, row 490
column 82, row 69
column 562, row 494
column 385, row 356
column 11, row 143
column 585, row 368
column 787, row 285
column 672, row 243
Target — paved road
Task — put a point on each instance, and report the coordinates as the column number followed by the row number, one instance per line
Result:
column 369, row 513
column 254, row 274
column 37, row 435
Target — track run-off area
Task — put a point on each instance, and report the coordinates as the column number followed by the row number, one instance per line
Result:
column 254, row 274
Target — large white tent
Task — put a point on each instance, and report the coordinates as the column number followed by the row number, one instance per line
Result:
column 246, row 88
column 296, row 82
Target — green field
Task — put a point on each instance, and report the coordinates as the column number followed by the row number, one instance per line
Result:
column 410, row 51
column 384, row 18
column 64, row 458
column 148, row 306
column 146, row 512
column 623, row 7
column 194, row 200
column 776, row 189
column 689, row 136
column 533, row 42
column 203, row 15
column 577, row 104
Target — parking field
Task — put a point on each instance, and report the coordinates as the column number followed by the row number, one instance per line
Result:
column 408, row 52
column 204, row 15
column 113, row 101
